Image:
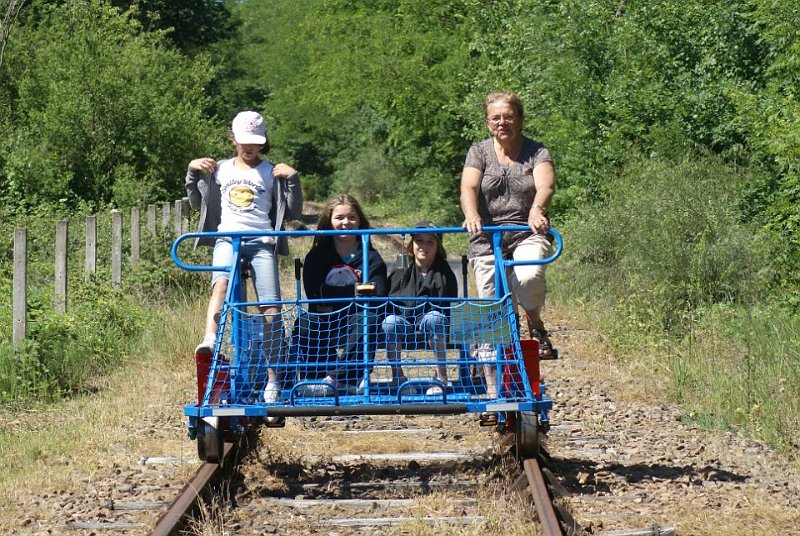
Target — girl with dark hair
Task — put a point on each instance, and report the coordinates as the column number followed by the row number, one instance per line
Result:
column 429, row 275
column 332, row 269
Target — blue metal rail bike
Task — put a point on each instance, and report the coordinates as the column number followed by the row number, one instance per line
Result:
column 343, row 339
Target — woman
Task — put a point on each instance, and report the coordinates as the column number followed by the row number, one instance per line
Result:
column 332, row 269
column 509, row 179
column 429, row 276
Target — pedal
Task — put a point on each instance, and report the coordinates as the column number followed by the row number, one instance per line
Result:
column 544, row 427
column 203, row 353
column 552, row 356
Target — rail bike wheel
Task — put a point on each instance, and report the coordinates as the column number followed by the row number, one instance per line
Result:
column 527, row 434
column 210, row 440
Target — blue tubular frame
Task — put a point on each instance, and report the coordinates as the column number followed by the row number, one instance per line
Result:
column 503, row 288
column 365, row 314
column 244, row 346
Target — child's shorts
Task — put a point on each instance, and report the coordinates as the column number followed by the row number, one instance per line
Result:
column 263, row 262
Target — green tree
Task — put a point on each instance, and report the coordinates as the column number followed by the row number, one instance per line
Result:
column 192, row 25
column 345, row 79
column 769, row 113
column 99, row 109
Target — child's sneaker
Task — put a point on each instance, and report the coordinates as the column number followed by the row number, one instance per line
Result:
column 320, row 389
column 206, row 347
column 437, row 390
column 272, row 393
column 362, row 385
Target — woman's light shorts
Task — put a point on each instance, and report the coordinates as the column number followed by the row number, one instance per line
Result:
column 527, row 283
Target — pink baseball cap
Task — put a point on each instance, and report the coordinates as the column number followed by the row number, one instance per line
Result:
column 248, row 128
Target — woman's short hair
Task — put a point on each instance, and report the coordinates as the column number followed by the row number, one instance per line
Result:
column 508, row 97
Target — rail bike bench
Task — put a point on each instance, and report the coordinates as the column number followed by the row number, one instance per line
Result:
column 480, row 332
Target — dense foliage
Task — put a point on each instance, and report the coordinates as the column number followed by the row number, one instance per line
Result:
column 95, row 109
column 382, row 98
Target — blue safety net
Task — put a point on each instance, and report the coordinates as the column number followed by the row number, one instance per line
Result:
column 371, row 351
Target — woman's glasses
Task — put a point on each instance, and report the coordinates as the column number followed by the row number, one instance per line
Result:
column 496, row 119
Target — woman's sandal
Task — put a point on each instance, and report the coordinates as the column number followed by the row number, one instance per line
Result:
column 546, row 350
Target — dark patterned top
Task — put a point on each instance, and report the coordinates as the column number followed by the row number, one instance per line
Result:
column 506, row 193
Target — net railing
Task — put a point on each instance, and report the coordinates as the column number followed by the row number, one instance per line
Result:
column 371, row 351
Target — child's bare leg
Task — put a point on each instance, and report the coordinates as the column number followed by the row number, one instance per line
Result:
column 441, row 360
column 215, row 304
column 273, row 338
column 393, row 352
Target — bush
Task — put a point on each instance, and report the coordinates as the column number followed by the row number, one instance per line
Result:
column 64, row 351
column 667, row 241
column 740, row 367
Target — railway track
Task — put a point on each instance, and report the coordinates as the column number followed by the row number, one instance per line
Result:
column 623, row 464
column 448, row 483
column 192, row 496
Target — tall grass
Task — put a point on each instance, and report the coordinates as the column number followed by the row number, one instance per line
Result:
column 674, row 271
column 741, row 368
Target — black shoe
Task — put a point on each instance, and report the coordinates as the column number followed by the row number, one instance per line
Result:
column 488, row 418
column 546, row 350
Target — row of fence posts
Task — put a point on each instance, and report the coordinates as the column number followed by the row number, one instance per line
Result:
column 177, row 213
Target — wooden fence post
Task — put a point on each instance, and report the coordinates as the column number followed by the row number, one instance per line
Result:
column 116, row 247
column 62, row 239
column 134, row 237
column 187, row 209
column 151, row 219
column 178, row 217
column 90, row 263
column 20, row 284
column 165, row 215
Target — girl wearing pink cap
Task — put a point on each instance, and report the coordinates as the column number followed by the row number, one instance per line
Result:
column 246, row 193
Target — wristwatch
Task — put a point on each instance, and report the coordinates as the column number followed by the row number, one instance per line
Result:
column 541, row 208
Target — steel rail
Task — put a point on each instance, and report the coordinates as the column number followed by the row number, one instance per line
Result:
column 541, row 498
column 176, row 515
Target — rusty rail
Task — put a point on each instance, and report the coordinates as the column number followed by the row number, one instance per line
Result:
column 188, row 499
column 541, row 498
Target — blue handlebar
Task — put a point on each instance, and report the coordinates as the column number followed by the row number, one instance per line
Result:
column 401, row 231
